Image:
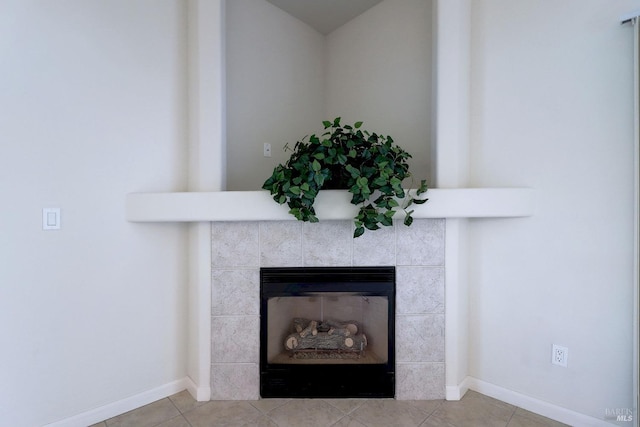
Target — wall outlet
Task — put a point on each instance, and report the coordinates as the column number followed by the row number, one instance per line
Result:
column 559, row 355
column 267, row 150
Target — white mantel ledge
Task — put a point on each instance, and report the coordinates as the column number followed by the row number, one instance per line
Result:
column 330, row 205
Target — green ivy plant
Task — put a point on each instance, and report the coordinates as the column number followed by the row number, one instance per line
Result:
column 370, row 166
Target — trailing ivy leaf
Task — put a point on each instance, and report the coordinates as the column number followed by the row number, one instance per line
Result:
column 326, row 124
column 408, row 220
column 316, row 166
column 384, row 220
column 319, row 156
column 295, row 190
column 353, row 171
column 296, row 212
column 336, row 122
column 423, row 187
column 419, row 201
column 380, row 182
column 371, row 225
column 282, row 199
column 359, row 231
column 357, row 125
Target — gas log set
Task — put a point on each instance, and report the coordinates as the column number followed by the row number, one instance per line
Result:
column 327, row 339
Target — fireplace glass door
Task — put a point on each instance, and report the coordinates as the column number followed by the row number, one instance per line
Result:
column 327, row 332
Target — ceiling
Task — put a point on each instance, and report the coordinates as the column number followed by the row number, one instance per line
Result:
column 325, row 15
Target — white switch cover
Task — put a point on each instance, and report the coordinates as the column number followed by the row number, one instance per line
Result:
column 51, row 219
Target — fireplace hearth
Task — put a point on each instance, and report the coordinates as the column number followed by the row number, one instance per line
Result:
column 327, row 332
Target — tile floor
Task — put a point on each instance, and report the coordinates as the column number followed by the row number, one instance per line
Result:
column 474, row 410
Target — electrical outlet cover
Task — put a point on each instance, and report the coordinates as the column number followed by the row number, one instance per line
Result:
column 559, row 355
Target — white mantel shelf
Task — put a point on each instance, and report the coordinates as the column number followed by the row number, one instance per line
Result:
column 330, row 205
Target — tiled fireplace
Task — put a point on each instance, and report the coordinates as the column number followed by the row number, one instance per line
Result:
column 239, row 249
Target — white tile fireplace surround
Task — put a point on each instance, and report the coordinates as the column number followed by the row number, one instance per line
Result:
column 239, row 249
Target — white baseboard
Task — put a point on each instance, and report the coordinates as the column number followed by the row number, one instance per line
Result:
column 201, row 394
column 121, row 406
column 531, row 404
column 456, row 392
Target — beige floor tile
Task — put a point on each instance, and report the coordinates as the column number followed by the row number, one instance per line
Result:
column 266, row 405
column 307, row 413
column 427, row 406
column 184, row 401
column 389, row 412
column 433, row 421
column 261, row 421
column 178, row 421
column 100, row 424
column 222, row 413
column 346, row 405
column 146, row 416
column 523, row 418
column 348, row 422
column 475, row 410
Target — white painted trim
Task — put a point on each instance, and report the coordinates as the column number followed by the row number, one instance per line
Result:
column 457, row 392
column 534, row 405
column 207, row 172
column 456, row 304
column 330, row 205
column 201, row 394
column 111, row 410
column 452, row 93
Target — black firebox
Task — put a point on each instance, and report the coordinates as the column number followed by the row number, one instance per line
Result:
column 327, row 332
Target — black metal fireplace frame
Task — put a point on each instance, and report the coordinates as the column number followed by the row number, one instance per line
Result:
column 310, row 381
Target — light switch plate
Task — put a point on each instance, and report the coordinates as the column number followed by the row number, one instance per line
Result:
column 51, row 219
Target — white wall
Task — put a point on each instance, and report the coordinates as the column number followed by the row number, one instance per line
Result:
column 379, row 71
column 275, row 88
column 552, row 109
column 284, row 79
column 92, row 108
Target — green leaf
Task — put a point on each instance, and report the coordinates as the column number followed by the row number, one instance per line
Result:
column 295, row 190
column 423, row 187
column 296, row 212
column 419, row 201
column 326, row 124
column 336, row 122
column 408, row 220
column 316, row 166
column 353, row 171
column 359, row 231
column 357, row 125
column 319, row 156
